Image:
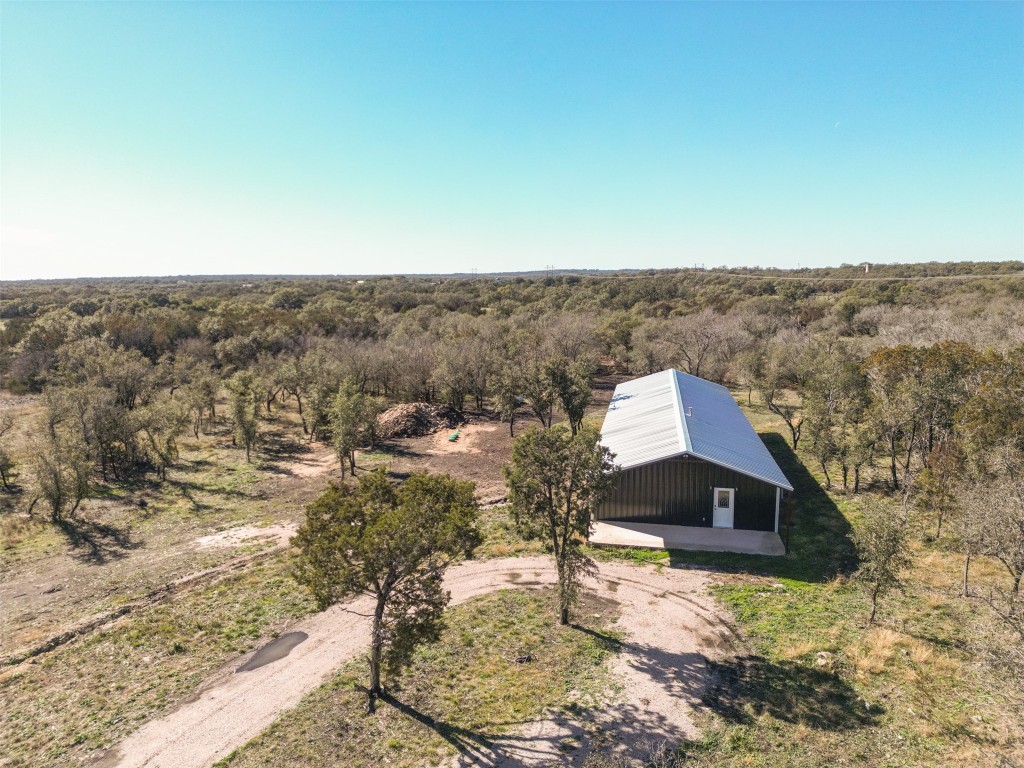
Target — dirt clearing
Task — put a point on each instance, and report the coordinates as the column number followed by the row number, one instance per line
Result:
column 478, row 454
column 278, row 535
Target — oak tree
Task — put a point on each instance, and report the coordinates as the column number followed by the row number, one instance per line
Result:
column 556, row 481
column 246, row 401
column 391, row 543
column 353, row 420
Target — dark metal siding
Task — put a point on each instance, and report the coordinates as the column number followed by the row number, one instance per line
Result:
column 679, row 492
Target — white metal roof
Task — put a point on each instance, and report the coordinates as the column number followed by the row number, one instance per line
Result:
column 671, row 414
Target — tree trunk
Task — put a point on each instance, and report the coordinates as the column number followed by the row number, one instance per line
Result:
column 352, row 462
column 376, row 653
column 892, row 465
column 856, row 479
column 828, row 480
column 967, row 571
column 846, row 477
column 874, row 605
column 910, row 451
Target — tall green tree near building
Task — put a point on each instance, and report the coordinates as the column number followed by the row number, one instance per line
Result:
column 556, row 481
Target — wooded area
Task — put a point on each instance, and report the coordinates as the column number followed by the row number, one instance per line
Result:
column 904, row 387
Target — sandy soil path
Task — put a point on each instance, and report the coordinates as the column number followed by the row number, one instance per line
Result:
column 669, row 624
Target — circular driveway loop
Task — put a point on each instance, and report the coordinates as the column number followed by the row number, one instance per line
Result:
column 669, row 624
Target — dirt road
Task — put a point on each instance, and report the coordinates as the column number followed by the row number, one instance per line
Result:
column 669, row 624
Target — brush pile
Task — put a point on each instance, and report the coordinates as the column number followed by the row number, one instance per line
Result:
column 415, row 419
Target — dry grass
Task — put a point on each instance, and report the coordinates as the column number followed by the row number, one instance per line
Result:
column 59, row 709
column 463, row 691
column 17, row 528
column 875, row 650
column 798, row 650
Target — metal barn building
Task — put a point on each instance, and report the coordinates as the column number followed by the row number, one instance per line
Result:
column 694, row 473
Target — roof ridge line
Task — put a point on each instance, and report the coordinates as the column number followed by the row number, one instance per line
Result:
column 702, row 380
column 684, row 433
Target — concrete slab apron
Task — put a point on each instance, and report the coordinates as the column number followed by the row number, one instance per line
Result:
column 658, row 536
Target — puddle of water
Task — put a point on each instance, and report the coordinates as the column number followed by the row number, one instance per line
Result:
column 273, row 651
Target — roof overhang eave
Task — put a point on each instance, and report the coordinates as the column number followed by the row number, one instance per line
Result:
column 776, row 483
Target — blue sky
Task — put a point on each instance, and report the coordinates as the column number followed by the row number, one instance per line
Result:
column 195, row 138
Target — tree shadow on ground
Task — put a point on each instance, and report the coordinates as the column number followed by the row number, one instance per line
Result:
column 745, row 687
column 681, row 675
column 190, row 492
column 559, row 737
column 395, row 449
column 820, row 546
column 179, row 480
column 277, row 451
column 96, row 543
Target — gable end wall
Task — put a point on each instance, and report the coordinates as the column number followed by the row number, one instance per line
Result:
column 680, row 491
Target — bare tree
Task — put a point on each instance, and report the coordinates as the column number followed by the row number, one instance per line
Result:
column 571, row 336
column 994, row 517
column 648, row 353
column 696, row 338
column 781, row 377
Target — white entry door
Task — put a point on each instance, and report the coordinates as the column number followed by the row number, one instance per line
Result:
column 724, row 498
